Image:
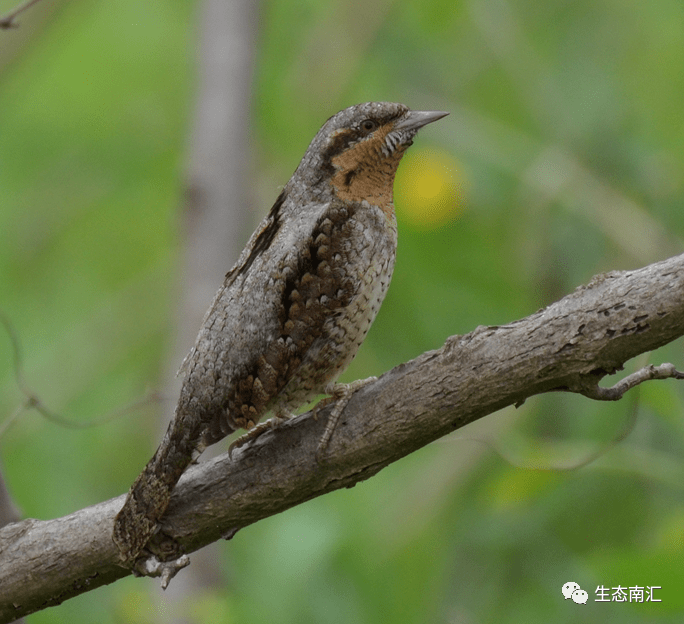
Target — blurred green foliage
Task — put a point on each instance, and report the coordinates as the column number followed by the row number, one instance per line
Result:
column 567, row 138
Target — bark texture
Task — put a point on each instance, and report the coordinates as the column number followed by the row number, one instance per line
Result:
column 570, row 345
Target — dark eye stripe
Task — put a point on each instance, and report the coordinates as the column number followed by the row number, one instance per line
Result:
column 341, row 141
column 346, row 137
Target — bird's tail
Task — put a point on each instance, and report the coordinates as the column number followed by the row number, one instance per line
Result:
column 150, row 494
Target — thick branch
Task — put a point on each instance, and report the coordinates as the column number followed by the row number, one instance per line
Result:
column 570, row 346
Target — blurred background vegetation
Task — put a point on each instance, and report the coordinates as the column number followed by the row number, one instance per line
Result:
column 562, row 158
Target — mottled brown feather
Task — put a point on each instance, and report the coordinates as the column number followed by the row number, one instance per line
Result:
column 293, row 310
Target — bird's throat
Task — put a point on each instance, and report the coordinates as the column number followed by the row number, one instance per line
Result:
column 363, row 172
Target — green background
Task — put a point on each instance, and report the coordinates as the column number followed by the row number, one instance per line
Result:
column 567, row 132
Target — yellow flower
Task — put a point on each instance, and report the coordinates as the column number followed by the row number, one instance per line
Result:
column 428, row 189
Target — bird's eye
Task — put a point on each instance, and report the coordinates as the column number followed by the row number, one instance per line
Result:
column 368, row 125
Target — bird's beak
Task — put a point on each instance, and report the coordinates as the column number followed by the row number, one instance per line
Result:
column 413, row 120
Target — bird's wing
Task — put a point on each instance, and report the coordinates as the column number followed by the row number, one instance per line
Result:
column 270, row 309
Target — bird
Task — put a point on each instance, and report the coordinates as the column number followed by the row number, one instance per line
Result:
column 293, row 310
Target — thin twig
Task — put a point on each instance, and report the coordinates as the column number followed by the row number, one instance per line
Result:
column 7, row 21
column 588, row 459
column 33, row 401
column 592, row 456
column 587, row 386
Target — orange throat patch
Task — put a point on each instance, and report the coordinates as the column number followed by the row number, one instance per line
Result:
column 365, row 173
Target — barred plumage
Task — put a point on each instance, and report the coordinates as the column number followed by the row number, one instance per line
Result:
column 296, row 306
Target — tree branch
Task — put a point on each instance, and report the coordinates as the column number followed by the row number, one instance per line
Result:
column 570, row 345
column 590, row 389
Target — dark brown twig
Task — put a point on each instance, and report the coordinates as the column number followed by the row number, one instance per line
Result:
column 33, row 401
column 8, row 20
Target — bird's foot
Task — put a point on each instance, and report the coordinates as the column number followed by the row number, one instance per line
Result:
column 151, row 566
column 255, row 432
column 339, row 395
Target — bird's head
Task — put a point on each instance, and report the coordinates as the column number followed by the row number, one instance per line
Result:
column 357, row 151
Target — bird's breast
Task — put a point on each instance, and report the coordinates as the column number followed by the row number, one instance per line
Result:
column 360, row 253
